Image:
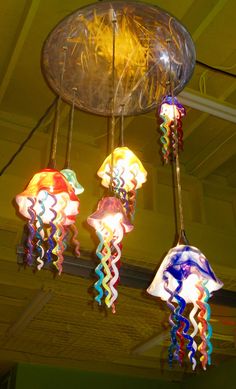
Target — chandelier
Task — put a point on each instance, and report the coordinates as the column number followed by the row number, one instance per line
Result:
column 119, row 59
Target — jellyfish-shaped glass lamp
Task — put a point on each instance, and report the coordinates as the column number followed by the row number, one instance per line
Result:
column 185, row 276
column 110, row 223
column 50, row 204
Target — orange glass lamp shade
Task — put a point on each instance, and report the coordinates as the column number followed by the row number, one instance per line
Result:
column 126, row 166
column 110, row 223
column 50, row 204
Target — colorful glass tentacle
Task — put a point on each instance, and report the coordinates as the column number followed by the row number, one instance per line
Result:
column 132, row 197
column 195, row 331
column 165, row 129
column 31, row 228
column 59, row 235
column 209, row 327
column 202, row 325
column 39, row 243
column 105, row 262
column 98, row 269
column 115, row 258
column 75, row 240
column 119, row 187
column 173, row 344
column 40, row 232
column 181, row 318
column 51, row 242
column 179, row 130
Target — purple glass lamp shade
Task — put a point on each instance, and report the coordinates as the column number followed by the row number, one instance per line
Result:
column 185, row 264
column 171, row 108
column 110, row 210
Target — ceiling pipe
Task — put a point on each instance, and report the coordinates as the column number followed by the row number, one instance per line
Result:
column 209, row 105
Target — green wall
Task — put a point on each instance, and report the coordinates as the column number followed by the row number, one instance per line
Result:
column 45, row 377
column 219, row 377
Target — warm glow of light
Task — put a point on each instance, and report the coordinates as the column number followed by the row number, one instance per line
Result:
column 131, row 51
column 171, row 111
column 110, row 211
column 128, row 166
column 50, row 192
column 110, row 223
column 113, row 221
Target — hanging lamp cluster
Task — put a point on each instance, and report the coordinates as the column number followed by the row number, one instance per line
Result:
column 119, row 59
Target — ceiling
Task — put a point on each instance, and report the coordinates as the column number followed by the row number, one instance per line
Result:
column 59, row 323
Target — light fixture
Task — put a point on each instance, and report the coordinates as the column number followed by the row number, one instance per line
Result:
column 110, row 223
column 170, row 112
column 128, row 175
column 185, row 275
column 118, row 60
column 143, row 35
column 50, row 204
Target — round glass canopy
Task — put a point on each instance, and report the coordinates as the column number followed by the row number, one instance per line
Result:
column 150, row 48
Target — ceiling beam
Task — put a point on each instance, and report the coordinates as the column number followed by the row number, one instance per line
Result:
column 130, row 275
column 41, row 298
column 218, row 151
column 208, row 105
column 208, row 19
column 26, row 25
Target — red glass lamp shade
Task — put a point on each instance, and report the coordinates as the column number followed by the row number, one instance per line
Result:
column 50, row 205
column 48, row 191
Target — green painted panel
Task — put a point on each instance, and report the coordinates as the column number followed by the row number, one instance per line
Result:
column 38, row 377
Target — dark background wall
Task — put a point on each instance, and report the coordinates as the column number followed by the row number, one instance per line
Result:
column 44, row 377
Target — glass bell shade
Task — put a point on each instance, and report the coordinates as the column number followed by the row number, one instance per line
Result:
column 126, row 167
column 188, row 265
column 185, row 276
column 47, row 193
column 110, row 211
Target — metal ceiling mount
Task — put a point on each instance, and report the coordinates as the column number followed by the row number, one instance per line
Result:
column 147, row 39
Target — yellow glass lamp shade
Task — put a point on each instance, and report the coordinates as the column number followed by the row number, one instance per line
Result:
column 48, row 192
column 126, row 167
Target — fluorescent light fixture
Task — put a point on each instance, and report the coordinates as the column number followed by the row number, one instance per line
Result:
column 207, row 104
